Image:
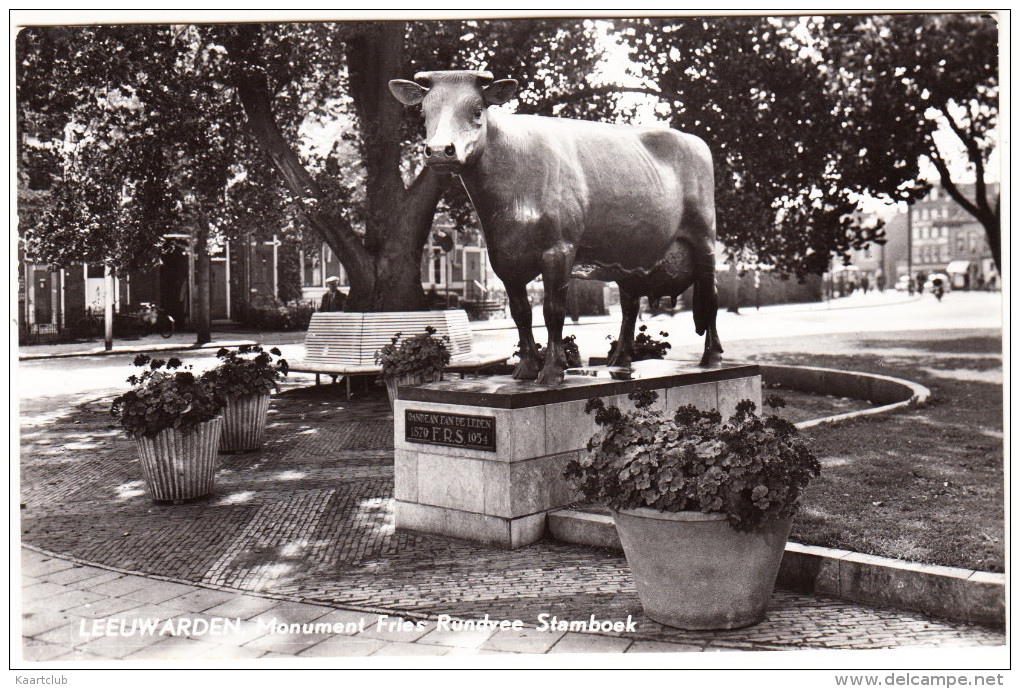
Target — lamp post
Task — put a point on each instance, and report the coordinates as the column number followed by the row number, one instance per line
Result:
column 107, row 306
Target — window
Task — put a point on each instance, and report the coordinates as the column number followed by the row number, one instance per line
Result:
column 311, row 269
column 333, row 265
column 437, row 266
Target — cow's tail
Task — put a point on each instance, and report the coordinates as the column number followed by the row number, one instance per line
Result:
column 706, row 295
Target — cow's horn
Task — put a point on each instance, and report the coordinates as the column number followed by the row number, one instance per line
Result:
column 426, row 78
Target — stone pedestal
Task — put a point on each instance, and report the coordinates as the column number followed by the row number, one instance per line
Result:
column 483, row 458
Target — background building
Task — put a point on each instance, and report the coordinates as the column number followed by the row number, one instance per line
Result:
column 947, row 239
column 935, row 235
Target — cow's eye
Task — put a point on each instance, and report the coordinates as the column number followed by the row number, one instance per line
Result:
column 478, row 113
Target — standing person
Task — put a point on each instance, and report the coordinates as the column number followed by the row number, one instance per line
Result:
column 333, row 299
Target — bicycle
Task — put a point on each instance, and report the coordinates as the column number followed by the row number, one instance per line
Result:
column 156, row 319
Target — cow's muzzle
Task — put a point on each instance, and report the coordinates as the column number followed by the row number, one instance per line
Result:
column 444, row 157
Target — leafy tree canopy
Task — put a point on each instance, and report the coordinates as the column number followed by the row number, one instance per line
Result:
column 130, row 132
column 911, row 73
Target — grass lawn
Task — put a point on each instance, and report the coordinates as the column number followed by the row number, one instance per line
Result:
column 921, row 484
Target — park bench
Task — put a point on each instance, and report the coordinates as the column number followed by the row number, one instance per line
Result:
column 339, row 343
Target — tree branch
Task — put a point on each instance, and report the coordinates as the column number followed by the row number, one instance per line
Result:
column 992, row 222
column 974, row 153
column 252, row 91
column 949, row 185
column 421, row 200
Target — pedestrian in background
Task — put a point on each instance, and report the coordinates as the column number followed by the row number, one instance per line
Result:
column 333, row 299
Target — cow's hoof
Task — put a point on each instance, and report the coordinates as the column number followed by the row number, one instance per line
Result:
column 550, row 375
column 621, row 361
column 619, row 357
column 526, row 369
column 710, row 359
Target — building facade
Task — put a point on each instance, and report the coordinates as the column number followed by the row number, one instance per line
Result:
column 944, row 238
column 454, row 267
column 934, row 235
column 245, row 274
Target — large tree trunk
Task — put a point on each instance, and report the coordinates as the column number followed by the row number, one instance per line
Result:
column 203, row 270
column 385, row 268
column 335, row 229
column 398, row 261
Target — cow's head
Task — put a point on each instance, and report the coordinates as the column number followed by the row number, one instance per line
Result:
column 454, row 104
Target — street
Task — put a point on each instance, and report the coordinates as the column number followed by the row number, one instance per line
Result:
column 47, row 386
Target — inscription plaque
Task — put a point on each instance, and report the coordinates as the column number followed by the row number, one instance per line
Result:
column 451, row 430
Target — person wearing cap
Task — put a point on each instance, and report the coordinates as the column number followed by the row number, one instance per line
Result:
column 333, row 299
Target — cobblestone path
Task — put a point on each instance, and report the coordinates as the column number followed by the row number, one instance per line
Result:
column 310, row 517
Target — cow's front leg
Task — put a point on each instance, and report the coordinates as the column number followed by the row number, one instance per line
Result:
column 624, row 349
column 520, row 311
column 556, row 265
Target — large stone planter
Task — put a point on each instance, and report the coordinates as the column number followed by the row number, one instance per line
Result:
column 180, row 466
column 694, row 571
column 393, row 382
column 244, row 423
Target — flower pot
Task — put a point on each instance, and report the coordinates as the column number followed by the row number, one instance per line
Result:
column 694, row 571
column 393, row 382
column 180, row 465
column 244, row 423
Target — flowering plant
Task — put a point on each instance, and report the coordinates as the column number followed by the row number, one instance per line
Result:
column 422, row 353
column 238, row 375
column 165, row 395
column 570, row 351
column 751, row 469
column 645, row 346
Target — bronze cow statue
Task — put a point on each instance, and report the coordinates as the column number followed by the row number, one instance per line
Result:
column 568, row 198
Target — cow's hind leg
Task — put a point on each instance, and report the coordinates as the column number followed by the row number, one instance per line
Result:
column 556, row 265
column 624, row 349
column 520, row 310
column 706, row 303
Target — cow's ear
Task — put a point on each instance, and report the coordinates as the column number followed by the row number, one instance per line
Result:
column 407, row 92
column 499, row 92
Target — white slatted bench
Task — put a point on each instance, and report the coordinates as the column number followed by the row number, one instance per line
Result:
column 339, row 343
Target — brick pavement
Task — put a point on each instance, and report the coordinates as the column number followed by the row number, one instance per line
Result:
column 309, row 519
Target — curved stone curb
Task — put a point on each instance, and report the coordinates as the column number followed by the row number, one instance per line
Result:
column 888, row 392
column 951, row 592
column 157, row 347
column 948, row 592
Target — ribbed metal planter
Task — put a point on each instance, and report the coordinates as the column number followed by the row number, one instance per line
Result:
column 180, row 466
column 244, row 423
column 393, row 382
